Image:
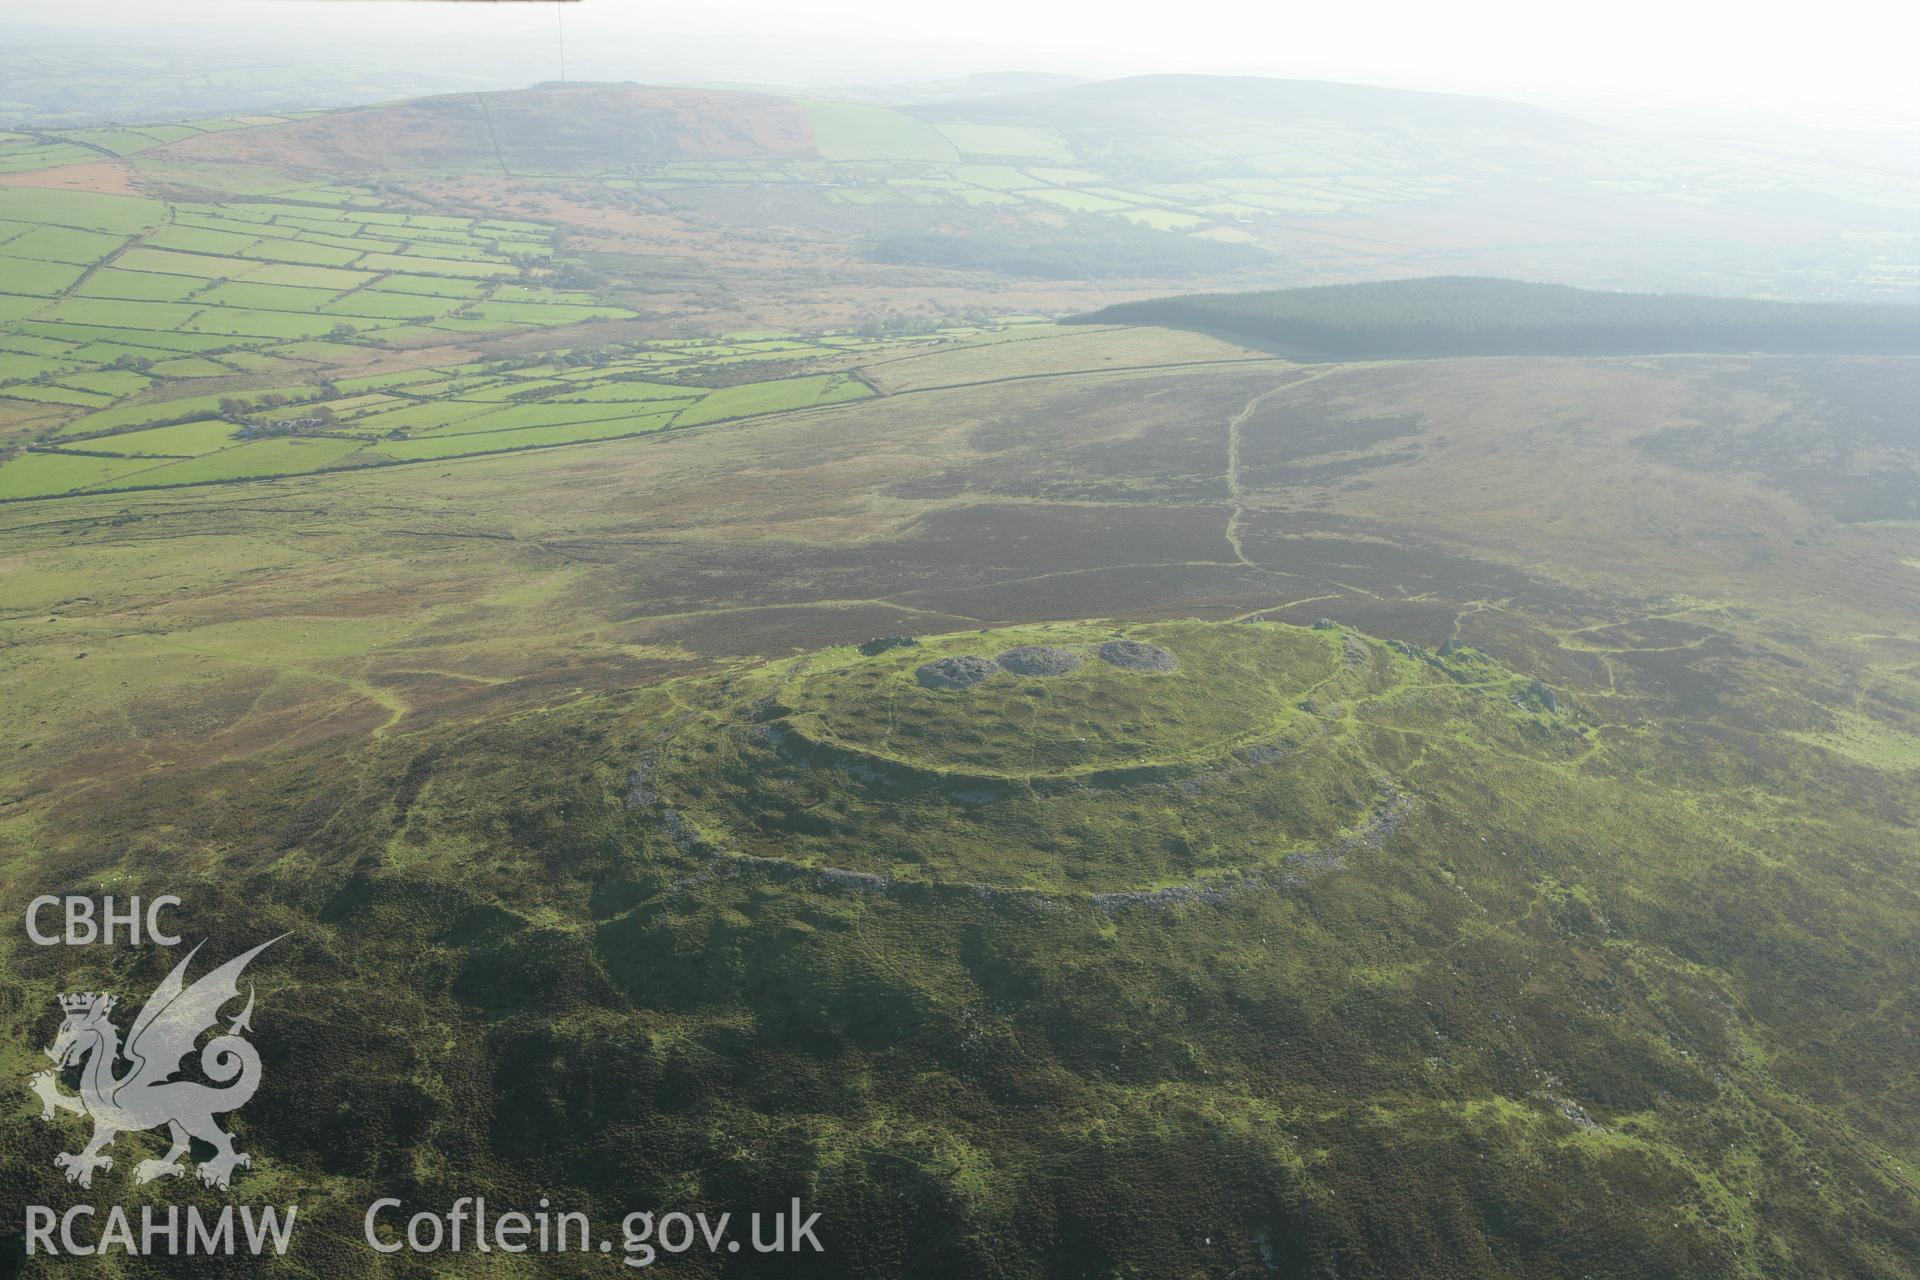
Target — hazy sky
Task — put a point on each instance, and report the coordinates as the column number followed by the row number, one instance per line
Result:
column 1842, row 58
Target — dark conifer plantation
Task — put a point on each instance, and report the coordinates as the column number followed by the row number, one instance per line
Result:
column 1483, row 316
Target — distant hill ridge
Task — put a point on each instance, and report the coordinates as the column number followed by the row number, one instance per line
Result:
column 1185, row 96
column 1158, row 123
column 1487, row 316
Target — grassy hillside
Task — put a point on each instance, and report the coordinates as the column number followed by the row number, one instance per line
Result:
column 1287, row 949
column 1468, row 316
column 1542, row 913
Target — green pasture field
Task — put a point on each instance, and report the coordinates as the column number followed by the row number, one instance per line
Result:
column 29, row 345
column 122, row 142
column 186, row 440
column 267, row 297
column 256, row 459
column 1078, row 201
column 634, row 391
column 167, row 262
column 112, row 382
column 1066, row 177
column 543, row 313
column 434, row 266
column 158, row 341
column 133, row 415
column 34, row 474
column 357, row 243
column 317, row 352
column 162, row 133
column 37, row 278
column 431, row 286
column 14, row 366
column 473, row 325
column 200, row 240
column 303, row 251
column 995, row 177
column 866, row 197
column 388, row 306
column 448, row 250
column 846, row 131
column 457, row 445
column 249, row 216
column 444, row 222
column 138, row 286
column 241, row 322
column 440, row 387
column 119, row 314
column 774, row 397
column 382, row 381
column 195, row 367
column 419, row 418
column 527, row 293
column 251, row 228
column 306, row 277
column 64, row 244
column 757, row 335
column 1006, row 140
column 1125, row 197
column 344, row 408
column 86, row 211
column 530, row 415
column 519, row 388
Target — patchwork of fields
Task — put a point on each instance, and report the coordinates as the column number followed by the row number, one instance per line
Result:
column 876, row 157
column 22, row 152
column 104, row 295
column 115, row 309
column 415, row 416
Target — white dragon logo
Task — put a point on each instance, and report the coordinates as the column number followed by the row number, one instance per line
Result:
column 147, row 1096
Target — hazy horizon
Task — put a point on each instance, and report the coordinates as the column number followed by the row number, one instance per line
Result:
column 1715, row 63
